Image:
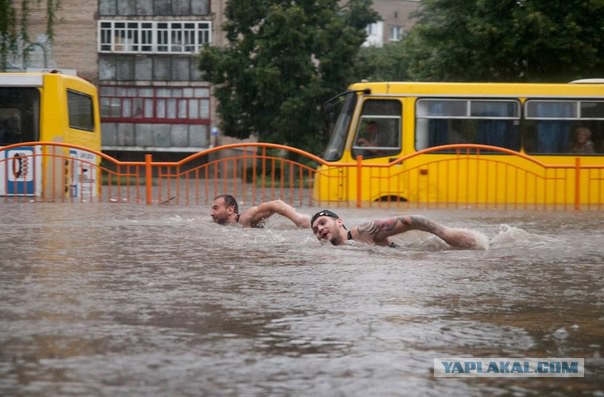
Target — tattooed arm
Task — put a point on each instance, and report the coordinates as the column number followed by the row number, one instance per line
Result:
column 378, row 231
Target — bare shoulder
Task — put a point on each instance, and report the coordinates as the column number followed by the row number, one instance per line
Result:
column 246, row 218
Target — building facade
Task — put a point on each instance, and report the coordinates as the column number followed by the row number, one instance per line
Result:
column 142, row 55
column 152, row 95
column 396, row 20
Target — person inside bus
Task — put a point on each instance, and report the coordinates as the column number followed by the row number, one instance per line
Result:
column 225, row 211
column 3, row 131
column 581, row 141
column 10, row 131
column 372, row 139
column 328, row 226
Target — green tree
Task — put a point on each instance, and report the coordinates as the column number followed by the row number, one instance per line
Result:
column 387, row 63
column 507, row 40
column 282, row 61
column 14, row 16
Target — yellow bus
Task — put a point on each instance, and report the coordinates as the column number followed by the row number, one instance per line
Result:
column 48, row 107
column 464, row 142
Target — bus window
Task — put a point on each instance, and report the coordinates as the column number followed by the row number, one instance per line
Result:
column 564, row 127
column 449, row 121
column 378, row 131
column 19, row 114
column 498, row 123
column 81, row 113
column 549, row 125
column 339, row 114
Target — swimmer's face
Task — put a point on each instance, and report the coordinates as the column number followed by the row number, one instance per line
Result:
column 326, row 228
column 219, row 211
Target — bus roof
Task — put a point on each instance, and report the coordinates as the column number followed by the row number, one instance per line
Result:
column 21, row 79
column 36, row 79
column 411, row 88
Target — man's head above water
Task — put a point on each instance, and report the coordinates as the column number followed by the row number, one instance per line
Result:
column 224, row 209
column 327, row 225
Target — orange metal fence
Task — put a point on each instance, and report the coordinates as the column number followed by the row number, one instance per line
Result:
column 257, row 172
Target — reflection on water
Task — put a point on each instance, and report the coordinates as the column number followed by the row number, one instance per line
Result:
column 124, row 300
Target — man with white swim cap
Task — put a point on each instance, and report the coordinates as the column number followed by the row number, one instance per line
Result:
column 225, row 211
column 328, row 226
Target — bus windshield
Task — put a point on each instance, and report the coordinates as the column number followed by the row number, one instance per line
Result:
column 19, row 114
column 339, row 114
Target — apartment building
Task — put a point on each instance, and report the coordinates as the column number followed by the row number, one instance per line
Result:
column 396, row 20
column 142, row 55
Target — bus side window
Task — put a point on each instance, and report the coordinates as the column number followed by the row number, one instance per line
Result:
column 587, row 134
column 552, row 124
column 378, row 132
column 439, row 122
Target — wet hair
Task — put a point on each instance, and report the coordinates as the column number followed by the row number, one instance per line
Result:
column 229, row 201
column 323, row 213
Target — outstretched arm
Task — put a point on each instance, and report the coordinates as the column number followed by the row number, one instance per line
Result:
column 253, row 216
column 378, row 231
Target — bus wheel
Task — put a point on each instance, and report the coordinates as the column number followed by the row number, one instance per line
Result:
column 391, row 198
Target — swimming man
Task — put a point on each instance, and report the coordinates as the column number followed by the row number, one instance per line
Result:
column 328, row 226
column 225, row 211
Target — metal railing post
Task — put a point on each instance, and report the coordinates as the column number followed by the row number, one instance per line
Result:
column 577, row 183
column 359, row 179
column 148, row 179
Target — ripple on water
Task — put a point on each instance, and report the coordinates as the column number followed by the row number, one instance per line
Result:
column 135, row 300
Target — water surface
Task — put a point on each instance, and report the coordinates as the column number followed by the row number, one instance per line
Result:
column 131, row 300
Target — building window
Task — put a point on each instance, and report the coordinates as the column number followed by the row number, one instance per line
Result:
column 173, row 105
column 372, row 29
column 153, row 37
column 396, row 33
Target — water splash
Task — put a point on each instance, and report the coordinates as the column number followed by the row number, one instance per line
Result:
column 511, row 236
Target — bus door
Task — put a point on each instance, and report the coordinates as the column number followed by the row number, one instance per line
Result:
column 20, row 168
column 378, row 138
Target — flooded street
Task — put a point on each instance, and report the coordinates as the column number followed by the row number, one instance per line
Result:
column 130, row 300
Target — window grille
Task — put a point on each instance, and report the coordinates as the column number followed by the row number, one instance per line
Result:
column 153, row 37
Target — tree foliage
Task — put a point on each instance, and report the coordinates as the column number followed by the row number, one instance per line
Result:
column 282, row 61
column 14, row 18
column 387, row 63
column 507, row 40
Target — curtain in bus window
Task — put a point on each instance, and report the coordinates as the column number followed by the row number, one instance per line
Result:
column 493, row 132
column 438, row 133
column 438, row 130
column 552, row 135
column 497, row 132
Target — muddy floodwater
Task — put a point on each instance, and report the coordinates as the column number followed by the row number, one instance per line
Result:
column 134, row 300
